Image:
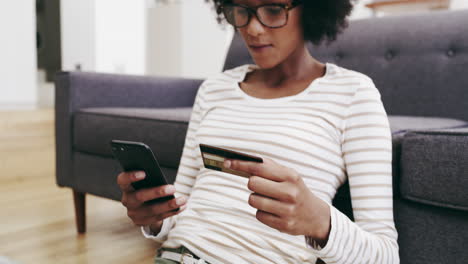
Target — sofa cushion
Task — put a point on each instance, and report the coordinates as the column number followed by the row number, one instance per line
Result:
column 430, row 234
column 435, row 167
column 162, row 129
column 97, row 175
column 400, row 125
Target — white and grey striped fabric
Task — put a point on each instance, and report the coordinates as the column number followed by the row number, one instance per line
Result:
column 336, row 128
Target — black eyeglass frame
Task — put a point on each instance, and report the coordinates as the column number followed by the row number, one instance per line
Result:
column 253, row 11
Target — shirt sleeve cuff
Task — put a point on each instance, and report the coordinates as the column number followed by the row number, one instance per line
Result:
column 162, row 235
column 345, row 236
column 330, row 249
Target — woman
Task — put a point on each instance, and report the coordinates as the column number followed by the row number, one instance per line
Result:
column 314, row 124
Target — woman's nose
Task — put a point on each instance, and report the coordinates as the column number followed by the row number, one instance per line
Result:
column 254, row 27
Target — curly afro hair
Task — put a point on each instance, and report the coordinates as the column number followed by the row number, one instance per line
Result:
column 321, row 19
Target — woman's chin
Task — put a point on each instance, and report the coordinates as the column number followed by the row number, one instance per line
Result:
column 264, row 64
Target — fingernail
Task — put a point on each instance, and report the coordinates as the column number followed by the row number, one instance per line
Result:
column 170, row 189
column 227, row 164
column 180, row 200
column 140, row 175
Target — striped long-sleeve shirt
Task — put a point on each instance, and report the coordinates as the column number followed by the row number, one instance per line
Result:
column 335, row 129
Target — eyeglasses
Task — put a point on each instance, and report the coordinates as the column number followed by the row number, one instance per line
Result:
column 270, row 15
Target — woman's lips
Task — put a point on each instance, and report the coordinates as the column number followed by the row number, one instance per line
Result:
column 260, row 48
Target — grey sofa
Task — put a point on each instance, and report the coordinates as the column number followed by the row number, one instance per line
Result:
column 420, row 65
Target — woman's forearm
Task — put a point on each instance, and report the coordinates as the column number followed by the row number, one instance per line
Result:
column 156, row 227
column 322, row 234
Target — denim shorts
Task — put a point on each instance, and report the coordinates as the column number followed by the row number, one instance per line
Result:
column 180, row 250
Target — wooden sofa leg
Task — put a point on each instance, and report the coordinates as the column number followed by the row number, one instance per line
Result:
column 80, row 211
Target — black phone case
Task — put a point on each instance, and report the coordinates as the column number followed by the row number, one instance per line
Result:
column 137, row 156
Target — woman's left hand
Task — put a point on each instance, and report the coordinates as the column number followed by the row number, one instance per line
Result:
column 283, row 200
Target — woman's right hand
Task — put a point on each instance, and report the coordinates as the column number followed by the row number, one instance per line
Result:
column 142, row 214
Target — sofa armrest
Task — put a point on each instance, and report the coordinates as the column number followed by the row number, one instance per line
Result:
column 434, row 167
column 86, row 89
column 76, row 90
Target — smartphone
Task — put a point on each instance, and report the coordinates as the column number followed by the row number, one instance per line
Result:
column 213, row 158
column 137, row 156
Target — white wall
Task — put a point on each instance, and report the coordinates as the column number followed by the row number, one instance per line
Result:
column 120, row 36
column 185, row 40
column 459, row 4
column 78, row 34
column 104, row 35
column 205, row 42
column 164, row 40
column 360, row 10
column 18, row 59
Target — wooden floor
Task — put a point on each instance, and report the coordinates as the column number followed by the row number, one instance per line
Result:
column 37, row 222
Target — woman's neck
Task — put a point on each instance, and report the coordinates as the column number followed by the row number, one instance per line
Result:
column 297, row 68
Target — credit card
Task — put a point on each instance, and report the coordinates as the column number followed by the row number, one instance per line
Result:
column 213, row 158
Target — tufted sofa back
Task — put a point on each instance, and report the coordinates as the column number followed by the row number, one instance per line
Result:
column 419, row 63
